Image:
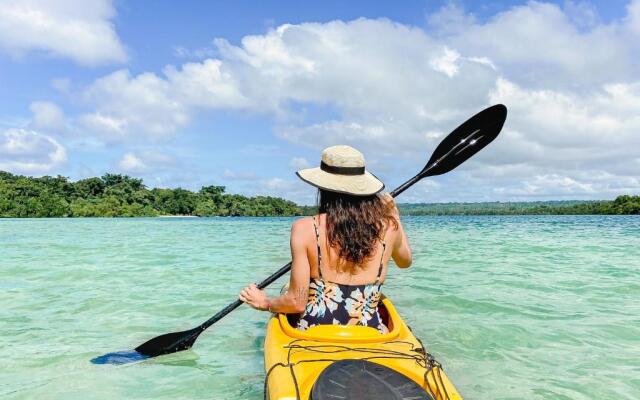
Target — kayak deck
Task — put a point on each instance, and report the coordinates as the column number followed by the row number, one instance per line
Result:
column 295, row 359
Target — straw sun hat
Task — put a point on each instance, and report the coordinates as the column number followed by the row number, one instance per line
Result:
column 342, row 170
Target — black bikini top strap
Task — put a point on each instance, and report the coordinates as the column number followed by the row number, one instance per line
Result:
column 384, row 247
column 315, row 227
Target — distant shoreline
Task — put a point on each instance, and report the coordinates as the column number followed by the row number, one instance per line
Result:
column 622, row 205
column 114, row 195
column 176, row 216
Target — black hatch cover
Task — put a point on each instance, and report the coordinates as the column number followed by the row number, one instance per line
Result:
column 365, row 380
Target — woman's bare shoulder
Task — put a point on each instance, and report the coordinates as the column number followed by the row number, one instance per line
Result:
column 302, row 224
column 391, row 231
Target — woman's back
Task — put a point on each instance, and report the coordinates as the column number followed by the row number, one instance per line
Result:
column 341, row 290
column 339, row 270
column 340, row 256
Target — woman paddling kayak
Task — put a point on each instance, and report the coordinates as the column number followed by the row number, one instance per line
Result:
column 350, row 343
column 340, row 256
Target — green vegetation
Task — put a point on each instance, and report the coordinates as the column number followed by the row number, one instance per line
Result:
column 621, row 205
column 115, row 195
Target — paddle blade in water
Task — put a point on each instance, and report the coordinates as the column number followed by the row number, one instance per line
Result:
column 169, row 343
column 120, row 357
column 160, row 345
column 466, row 140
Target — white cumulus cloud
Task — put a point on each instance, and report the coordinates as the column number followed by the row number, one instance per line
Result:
column 145, row 162
column 540, row 44
column 159, row 105
column 81, row 30
column 47, row 116
column 29, row 152
column 446, row 62
column 571, row 82
column 353, row 65
column 132, row 163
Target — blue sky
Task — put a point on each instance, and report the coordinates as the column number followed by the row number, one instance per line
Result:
column 244, row 93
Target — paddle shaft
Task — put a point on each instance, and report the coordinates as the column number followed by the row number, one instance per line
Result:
column 452, row 151
column 406, row 185
column 465, row 143
column 272, row 278
column 459, row 147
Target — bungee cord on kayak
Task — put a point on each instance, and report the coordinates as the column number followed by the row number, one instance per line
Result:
column 313, row 364
column 421, row 357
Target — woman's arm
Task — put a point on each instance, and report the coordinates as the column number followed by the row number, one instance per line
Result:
column 295, row 300
column 401, row 252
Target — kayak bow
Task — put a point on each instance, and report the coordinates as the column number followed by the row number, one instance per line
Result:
column 351, row 362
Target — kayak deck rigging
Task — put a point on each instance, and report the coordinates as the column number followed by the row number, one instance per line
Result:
column 432, row 368
column 296, row 360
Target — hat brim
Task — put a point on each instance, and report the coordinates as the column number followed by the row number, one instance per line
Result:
column 358, row 185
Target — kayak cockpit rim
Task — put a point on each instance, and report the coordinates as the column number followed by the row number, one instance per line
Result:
column 346, row 333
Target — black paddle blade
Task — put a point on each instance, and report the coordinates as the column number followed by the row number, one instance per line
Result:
column 169, row 343
column 160, row 345
column 466, row 140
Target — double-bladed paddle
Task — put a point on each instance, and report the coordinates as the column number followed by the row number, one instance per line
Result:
column 465, row 141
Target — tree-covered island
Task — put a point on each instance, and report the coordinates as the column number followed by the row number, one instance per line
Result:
column 622, row 205
column 115, row 195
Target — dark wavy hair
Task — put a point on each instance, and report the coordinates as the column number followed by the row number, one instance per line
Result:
column 355, row 223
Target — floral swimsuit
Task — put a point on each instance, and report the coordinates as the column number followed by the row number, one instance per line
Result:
column 341, row 304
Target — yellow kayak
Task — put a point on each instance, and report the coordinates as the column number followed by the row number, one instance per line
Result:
column 351, row 362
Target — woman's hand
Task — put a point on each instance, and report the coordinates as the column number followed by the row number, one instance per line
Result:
column 255, row 297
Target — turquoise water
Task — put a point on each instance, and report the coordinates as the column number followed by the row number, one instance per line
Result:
column 514, row 307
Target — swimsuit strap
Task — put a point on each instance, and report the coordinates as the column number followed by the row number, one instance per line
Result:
column 384, row 247
column 315, row 227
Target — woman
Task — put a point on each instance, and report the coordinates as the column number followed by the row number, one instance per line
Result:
column 340, row 256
